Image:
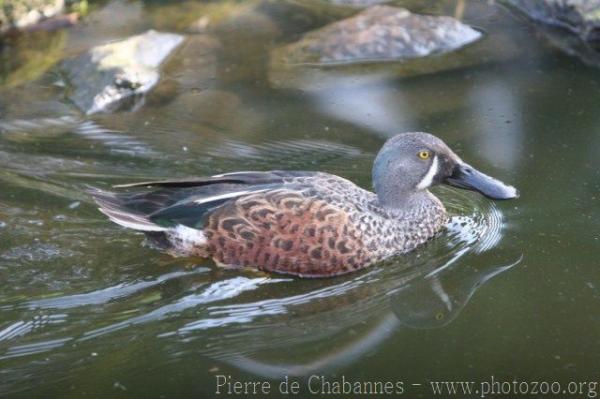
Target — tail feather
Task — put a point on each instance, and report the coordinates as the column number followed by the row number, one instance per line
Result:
column 113, row 207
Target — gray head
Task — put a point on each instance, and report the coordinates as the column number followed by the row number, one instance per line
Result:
column 409, row 163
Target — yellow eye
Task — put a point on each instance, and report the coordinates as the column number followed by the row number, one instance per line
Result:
column 424, row 154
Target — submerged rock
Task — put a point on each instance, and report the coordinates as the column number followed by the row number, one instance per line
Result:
column 19, row 14
column 111, row 76
column 196, row 64
column 573, row 26
column 28, row 59
column 579, row 16
column 381, row 33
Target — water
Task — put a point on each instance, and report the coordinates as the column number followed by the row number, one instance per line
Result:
column 510, row 290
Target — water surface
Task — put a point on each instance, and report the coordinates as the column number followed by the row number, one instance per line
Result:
column 511, row 289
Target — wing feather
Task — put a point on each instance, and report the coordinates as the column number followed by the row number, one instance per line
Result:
column 157, row 205
column 247, row 177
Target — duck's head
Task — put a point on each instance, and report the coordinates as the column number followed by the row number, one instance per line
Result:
column 410, row 163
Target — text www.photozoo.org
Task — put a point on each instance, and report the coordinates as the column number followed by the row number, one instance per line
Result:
column 322, row 385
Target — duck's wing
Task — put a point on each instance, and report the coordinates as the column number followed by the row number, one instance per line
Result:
column 159, row 205
column 245, row 178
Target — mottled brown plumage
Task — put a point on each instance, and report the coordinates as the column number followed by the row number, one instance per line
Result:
column 284, row 231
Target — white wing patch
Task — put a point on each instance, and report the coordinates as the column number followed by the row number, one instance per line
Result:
column 205, row 200
column 234, row 173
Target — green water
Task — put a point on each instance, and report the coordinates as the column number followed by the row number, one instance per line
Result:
column 511, row 290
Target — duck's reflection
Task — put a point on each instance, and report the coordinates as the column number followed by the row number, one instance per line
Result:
column 419, row 300
column 438, row 298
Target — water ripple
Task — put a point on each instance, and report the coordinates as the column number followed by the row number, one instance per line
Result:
column 105, row 295
column 214, row 292
column 34, row 348
column 292, row 152
column 21, row 327
column 117, row 141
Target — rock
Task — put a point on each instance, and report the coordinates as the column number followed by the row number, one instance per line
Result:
column 107, row 77
column 582, row 17
column 381, row 33
column 359, row 49
column 20, row 14
column 573, row 26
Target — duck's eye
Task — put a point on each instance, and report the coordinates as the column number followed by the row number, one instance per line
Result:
column 424, row 154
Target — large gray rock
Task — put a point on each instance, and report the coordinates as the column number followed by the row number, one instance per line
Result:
column 118, row 74
column 579, row 16
column 19, row 14
column 384, row 42
column 381, row 33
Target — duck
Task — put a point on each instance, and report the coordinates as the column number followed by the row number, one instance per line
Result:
column 303, row 223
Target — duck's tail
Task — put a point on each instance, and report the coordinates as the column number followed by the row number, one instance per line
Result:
column 117, row 211
column 135, row 213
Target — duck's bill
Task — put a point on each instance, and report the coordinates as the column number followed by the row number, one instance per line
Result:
column 467, row 177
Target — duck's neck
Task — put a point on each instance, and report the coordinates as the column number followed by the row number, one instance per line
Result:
column 399, row 202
